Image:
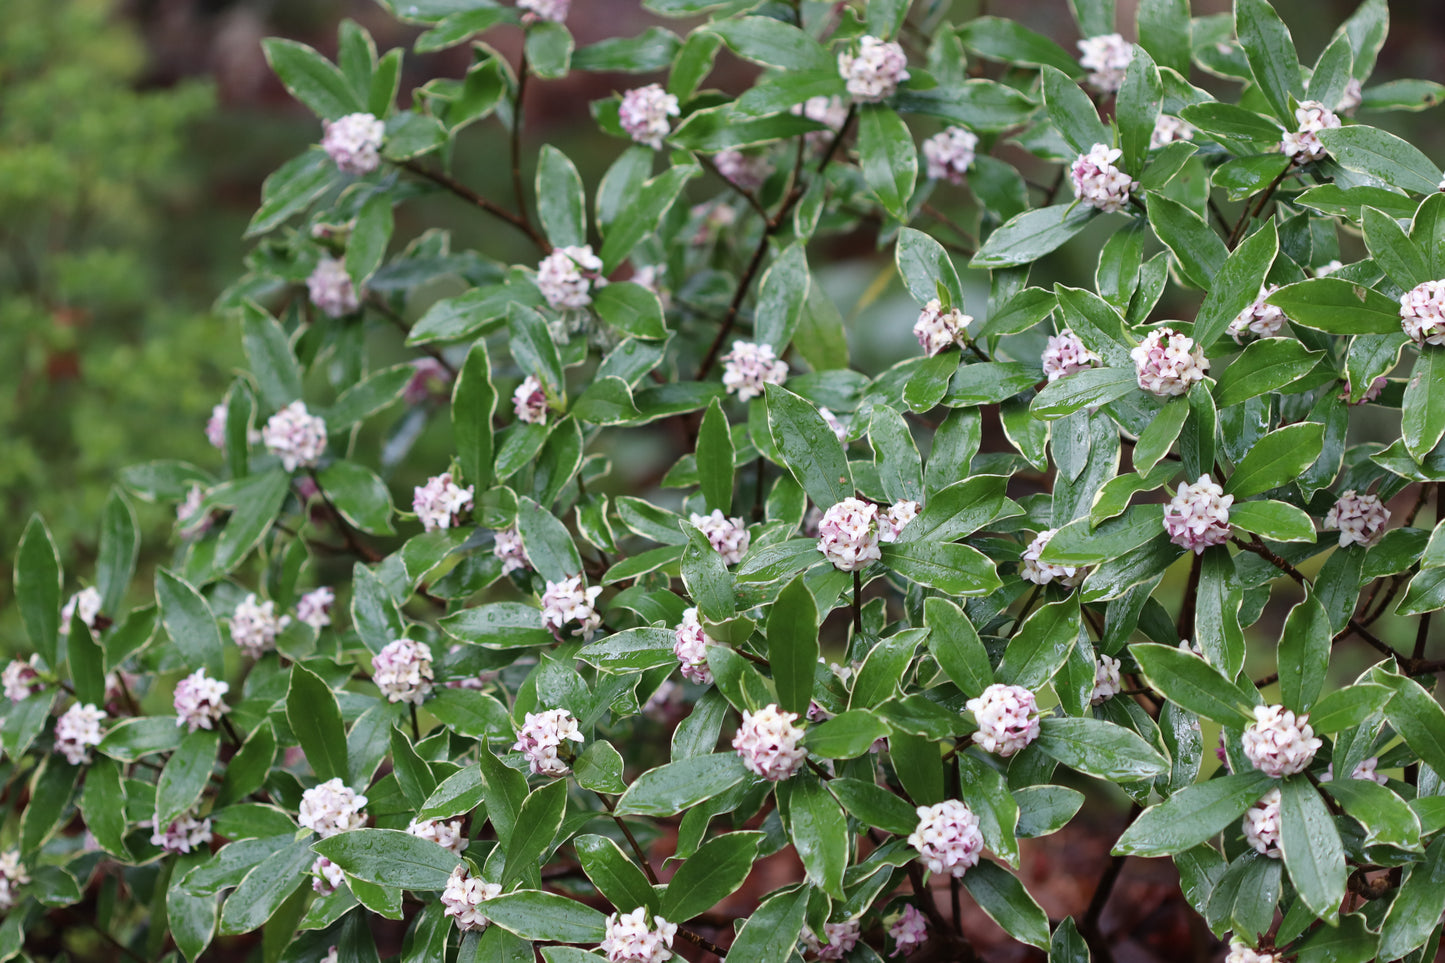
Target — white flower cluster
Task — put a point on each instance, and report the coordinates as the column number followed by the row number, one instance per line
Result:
column 644, row 114
column 937, row 329
column 1360, row 519
column 199, row 701
column 1261, row 825
column 1098, row 182
column 1332, row 266
column 509, row 548
column 1168, row 129
column 1244, row 953
column 565, row 276
column 728, row 536
column 874, row 72
column 892, row 522
column 630, row 940
column 77, row 731
column 541, row 741
column 571, row 601
column 447, row 835
column 331, row 808
column 948, row 838
column 690, row 646
column 950, row 153
column 331, row 290
column 463, row 897
column 1168, row 363
column 1032, row 569
column 1106, row 58
column 327, row 876
column 1198, row 516
column 216, row 426
column 295, row 436
column 1064, row 353
column 86, row 603
column 767, row 741
column 553, row 10
column 1261, row 319
column 749, row 366
column 183, row 834
column 748, row 173
column 529, row 402
column 254, row 625
column 12, row 877
column 402, row 671
column 20, row 679
column 829, row 111
column 1106, row 680
column 1364, row 769
column 1007, row 717
column 838, row 939
column 1278, row 744
column 1303, row 145
column 353, row 142
column 909, row 931
column 848, row 534
column 1422, row 313
column 314, row 608
column 440, row 502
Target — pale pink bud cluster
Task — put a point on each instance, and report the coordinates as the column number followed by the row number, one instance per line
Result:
column 728, row 536
column 948, row 838
column 1168, row 129
column 690, row 644
column 1107, row 683
column 1244, row 953
column 20, row 679
column 353, row 142
column 77, row 731
column 326, row 877
column 950, row 154
column 216, row 426
column 1352, row 97
column 1360, row 519
column 1261, row 825
column 829, row 111
column 1261, row 319
column 1007, row 717
column 630, row 940
column 314, row 608
column 767, row 742
column 660, row 703
column 440, row 503
column 431, row 380
column 749, row 366
column 1106, row 58
column 463, row 897
column 191, row 521
column 1098, row 182
column 1422, row 313
column 1371, row 393
column 183, row 834
column 908, row 932
column 509, row 548
column 447, row 835
column 331, row 290
column 295, row 436
column 1065, row 353
column 874, row 71
column 254, row 625
column 742, row 170
column 848, row 534
column 644, row 114
column 542, row 740
column 838, row 939
column 1168, row 363
column 1033, row 569
column 331, row 808
column 1303, row 145
column 1278, row 744
column 840, row 430
column 565, row 276
column 937, row 329
column 529, row 402
column 402, row 671
column 553, row 10
column 12, row 877
column 892, row 522
column 1365, row 769
column 570, row 600
column 87, row 603
column 199, row 701
column 1198, row 516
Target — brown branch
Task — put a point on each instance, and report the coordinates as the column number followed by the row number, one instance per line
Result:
column 461, row 190
column 384, row 309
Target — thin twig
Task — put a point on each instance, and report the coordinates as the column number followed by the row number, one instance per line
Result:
column 472, row 197
column 384, row 309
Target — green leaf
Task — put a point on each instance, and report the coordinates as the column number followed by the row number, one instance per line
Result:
column 819, row 830
column 772, row 43
column 38, row 588
column 1276, row 521
column 846, row 735
column 359, row 495
column 1415, row 911
column 470, row 713
column 998, row 38
column 390, row 857
column 1426, row 593
column 781, row 298
column 369, row 239
column 291, row 189
column 1100, row 749
column 1160, row 434
column 1029, row 236
column 1393, row 251
column 1089, row 388
column 560, row 202
column 947, row 566
column 1193, row 683
column 311, row 78
column 549, row 49
column 373, row 611
column 888, row 158
column 533, row 346
column 185, row 774
column 1072, row 112
column 1193, row 815
column 631, row 308
column 1311, row 846
column 1200, row 252
column 191, row 919
column 715, row 459
column 1270, row 51
column 102, row 805
column 474, row 400
column 771, row 933
column 616, row 877
column 707, row 578
column 1263, row 366
column 1304, row 654
column 1003, row 897
column 315, row 718
column 793, row 645
column 1338, row 306
column 1040, row 645
column 808, row 447
column 1164, row 28
column 506, row 789
column 640, row 216
column 670, row 789
column 1276, row 459
column 549, row 546
column 189, row 622
column 1384, row 156
column 1137, row 108
column 924, row 265
column 499, row 625
column 1419, row 720
column 954, row 644
column 535, row 915
column 1388, row 819
column 269, row 884
column 119, row 546
column 537, row 824
column 376, row 392
column 1423, row 418
column 709, row 876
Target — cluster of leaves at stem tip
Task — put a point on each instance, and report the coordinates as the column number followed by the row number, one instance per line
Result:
column 489, row 728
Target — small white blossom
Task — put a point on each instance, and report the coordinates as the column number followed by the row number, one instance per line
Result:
column 937, row 329
column 87, row 602
column 1360, row 519
column 553, row 10
column 1261, row 825
column 353, row 142
column 463, row 897
column 12, row 877
column 1168, row 129
column 529, row 402
column 1106, row 58
column 1260, row 318
column 509, row 548
column 748, row 173
column 326, row 878
column 440, row 503
column 1031, row 569
column 184, row 834
column 908, row 932
column 543, row 739
column 874, row 72
column 200, row 701
column 838, row 939
column 1168, row 363
column 331, row 290
column 402, row 671
column 295, row 436
column 892, row 522
column 565, row 276
column 1098, row 182
column 570, row 600
column 216, row 426
column 848, row 534
column 750, row 366
column 331, row 808
column 1278, row 744
column 629, row 940
column 950, row 153
column 1331, row 266
column 1106, row 680
column 767, row 742
column 1303, row 145
column 1007, row 717
column 20, row 679
column 948, row 838
column 840, row 430
column 1065, row 353
column 1422, row 313
column 254, row 626
column 690, row 646
column 77, row 731
column 448, row 835
column 1365, row 769
column 1244, row 953
column 728, row 536
column 829, row 111
column 1198, row 516
column 314, row 608
column 644, row 114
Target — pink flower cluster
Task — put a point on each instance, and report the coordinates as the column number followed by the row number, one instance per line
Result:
column 529, row 402
column 543, row 739
column 509, row 548
column 838, row 939
column 402, row 671
column 1303, row 145
column 892, row 522
column 20, row 679
column 254, row 625
column 950, row 153
column 1371, row 393
column 874, row 71
column 327, row 876
column 1107, row 58
column 447, row 835
column 630, row 940
column 295, row 436
column 848, row 534
column 87, row 603
column 1260, row 319
column 183, row 834
column 1169, row 129
column 1278, row 744
column 741, row 170
column 767, row 741
column 1065, row 353
column 1422, row 313
column 1168, row 363
column 77, row 731
column 331, row 808
column 553, row 10
column 565, row 276
column 353, row 142
column 1360, row 519
column 1261, row 825
column 1106, row 680
column 1098, row 182
column 690, row 646
column 937, row 329
column 191, row 522
column 1198, row 516
column 1244, row 953
column 439, row 503
column 331, row 290
column 829, row 111
column 12, row 876
column 644, row 114
column 570, row 600
column 948, row 838
column 728, row 536
column 909, row 931
column 1032, row 569
column 463, row 897
column 199, row 701
column 1007, row 717
column 314, row 608
column 1365, row 769
column 749, row 366
column 216, row 426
